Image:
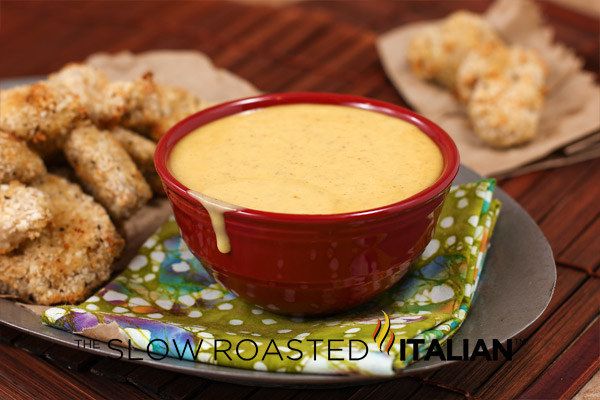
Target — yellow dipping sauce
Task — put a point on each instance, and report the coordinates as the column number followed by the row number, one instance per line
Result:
column 307, row 159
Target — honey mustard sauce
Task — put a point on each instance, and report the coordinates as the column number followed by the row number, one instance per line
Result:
column 304, row 159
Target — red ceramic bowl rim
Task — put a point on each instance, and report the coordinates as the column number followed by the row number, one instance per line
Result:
column 438, row 135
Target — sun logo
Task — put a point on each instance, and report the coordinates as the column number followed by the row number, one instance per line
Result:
column 381, row 332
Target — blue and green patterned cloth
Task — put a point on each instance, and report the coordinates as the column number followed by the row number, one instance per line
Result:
column 165, row 293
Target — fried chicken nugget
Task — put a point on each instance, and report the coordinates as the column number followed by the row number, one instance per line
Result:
column 17, row 161
column 504, row 92
column 107, row 171
column 151, row 109
column 142, row 109
column 141, row 150
column 104, row 107
column 436, row 51
column 24, row 214
column 513, row 63
column 175, row 105
column 72, row 256
column 42, row 114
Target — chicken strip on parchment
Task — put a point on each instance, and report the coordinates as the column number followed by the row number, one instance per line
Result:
column 107, row 171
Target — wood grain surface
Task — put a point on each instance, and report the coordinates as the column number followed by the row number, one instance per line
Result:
column 324, row 46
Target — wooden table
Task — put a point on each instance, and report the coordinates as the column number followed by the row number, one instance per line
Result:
column 325, row 46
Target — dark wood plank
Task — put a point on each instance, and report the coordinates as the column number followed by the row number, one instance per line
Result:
column 150, row 380
column 263, row 35
column 273, row 394
column 320, row 50
column 386, row 93
column 23, row 375
column 32, row 344
column 8, row 335
column 239, row 27
column 221, row 390
column 104, row 387
column 546, row 344
column 427, row 392
column 585, row 251
column 397, row 389
column 572, row 370
column 327, row 394
column 182, row 388
column 288, row 45
column 72, row 359
column 519, row 186
column 555, row 188
column 574, row 211
column 113, row 369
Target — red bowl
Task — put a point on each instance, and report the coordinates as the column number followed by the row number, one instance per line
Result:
column 309, row 264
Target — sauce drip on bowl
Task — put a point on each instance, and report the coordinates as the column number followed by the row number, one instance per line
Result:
column 216, row 209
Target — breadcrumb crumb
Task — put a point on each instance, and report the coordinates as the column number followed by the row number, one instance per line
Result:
column 23, row 214
column 17, row 161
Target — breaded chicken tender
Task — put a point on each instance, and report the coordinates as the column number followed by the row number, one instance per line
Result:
column 504, row 92
column 17, row 161
column 175, row 105
column 104, row 107
column 24, row 214
column 151, row 109
column 141, row 150
column 142, row 103
column 42, row 114
column 72, row 256
column 107, row 171
column 436, row 51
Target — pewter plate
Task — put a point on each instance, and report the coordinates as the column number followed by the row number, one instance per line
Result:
column 516, row 285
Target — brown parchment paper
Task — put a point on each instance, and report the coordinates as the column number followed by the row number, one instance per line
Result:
column 571, row 110
column 191, row 70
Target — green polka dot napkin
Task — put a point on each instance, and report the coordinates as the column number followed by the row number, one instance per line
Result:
column 166, row 303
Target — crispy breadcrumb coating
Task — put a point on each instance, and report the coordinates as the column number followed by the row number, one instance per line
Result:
column 138, row 147
column 72, row 256
column 151, row 109
column 436, row 51
column 23, row 214
column 42, row 114
column 175, row 105
column 142, row 103
column 17, row 161
column 141, row 150
column 504, row 91
column 107, row 171
column 92, row 86
column 514, row 63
